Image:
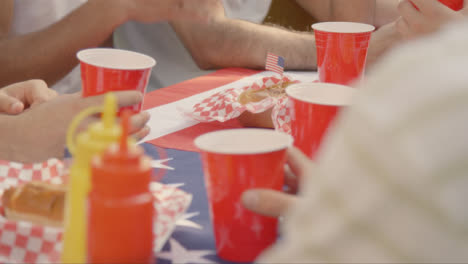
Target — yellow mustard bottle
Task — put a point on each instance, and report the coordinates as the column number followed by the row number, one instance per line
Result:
column 89, row 143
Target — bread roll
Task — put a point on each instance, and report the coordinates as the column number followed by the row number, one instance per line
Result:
column 37, row 202
column 251, row 96
column 263, row 119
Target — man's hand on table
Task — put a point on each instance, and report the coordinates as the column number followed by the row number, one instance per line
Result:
column 429, row 18
column 275, row 203
column 17, row 97
column 39, row 132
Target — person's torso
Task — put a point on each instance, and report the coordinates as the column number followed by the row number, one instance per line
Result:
column 290, row 15
column 31, row 16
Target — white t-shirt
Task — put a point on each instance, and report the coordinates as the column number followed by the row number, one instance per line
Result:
column 391, row 181
column 174, row 62
column 30, row 16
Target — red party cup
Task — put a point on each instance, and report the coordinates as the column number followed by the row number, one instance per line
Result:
column 236, row 160
column 453, row 4
column 314, row 107
column 104, row 70
column 341, row 50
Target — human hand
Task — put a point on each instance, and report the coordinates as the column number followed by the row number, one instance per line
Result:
column 429, row 18
column 275, row 203
column 150, row 11
column 41, row 131
column 17, row 97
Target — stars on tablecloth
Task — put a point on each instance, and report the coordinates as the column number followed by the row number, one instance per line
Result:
column 180, row 255
column 175, row 185
column 257, row 227
column 184, row 221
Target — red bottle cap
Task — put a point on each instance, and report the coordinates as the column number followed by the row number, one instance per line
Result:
column 123, row 169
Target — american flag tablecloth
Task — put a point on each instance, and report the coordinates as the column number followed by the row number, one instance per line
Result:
column 193, row 239
column 24, row 242
column 170, row 128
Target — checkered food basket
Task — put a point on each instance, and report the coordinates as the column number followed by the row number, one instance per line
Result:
column 225, row 105
column 23, row 242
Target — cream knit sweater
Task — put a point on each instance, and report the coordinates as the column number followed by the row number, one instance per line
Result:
column 391, row 184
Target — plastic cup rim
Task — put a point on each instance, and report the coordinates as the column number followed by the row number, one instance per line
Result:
column 290, row 92
column 286, row 138
column 365, row 28
column 81, row 55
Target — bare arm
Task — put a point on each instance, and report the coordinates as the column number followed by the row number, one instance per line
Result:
column 50, row 54
column 223, row 42
column 39, row 133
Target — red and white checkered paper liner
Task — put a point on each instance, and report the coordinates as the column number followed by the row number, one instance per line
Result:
column 23, row 242
column 225, row 105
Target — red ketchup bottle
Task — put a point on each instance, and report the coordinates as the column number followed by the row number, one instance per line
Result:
column 120, row 204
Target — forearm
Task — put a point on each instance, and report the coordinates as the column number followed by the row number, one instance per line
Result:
column 50, row 54
column 236, row 43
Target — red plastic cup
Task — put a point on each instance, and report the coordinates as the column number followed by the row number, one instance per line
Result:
column 453, row 4
column 314, row 107
column 104, row 70
column 236, row 160
column 456, row 5
column 341, row 50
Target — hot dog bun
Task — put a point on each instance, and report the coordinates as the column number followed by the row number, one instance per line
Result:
column 36, row 202
column 262, row 119
column 251, row 96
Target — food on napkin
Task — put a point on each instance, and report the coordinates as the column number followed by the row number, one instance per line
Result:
column 262, row 103
column 262, row 119
column 256, row 95
column 36, row 202
column 27, row 242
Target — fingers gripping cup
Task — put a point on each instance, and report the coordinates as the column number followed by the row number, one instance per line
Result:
column 314, row 107
column 234, row 161
column 341, row 50
column 104, row 70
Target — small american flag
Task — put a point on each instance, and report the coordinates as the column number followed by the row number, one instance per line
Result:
column 274, row 63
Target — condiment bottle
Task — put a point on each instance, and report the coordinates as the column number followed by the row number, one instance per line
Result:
column 94, row 140
column 121, row 210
